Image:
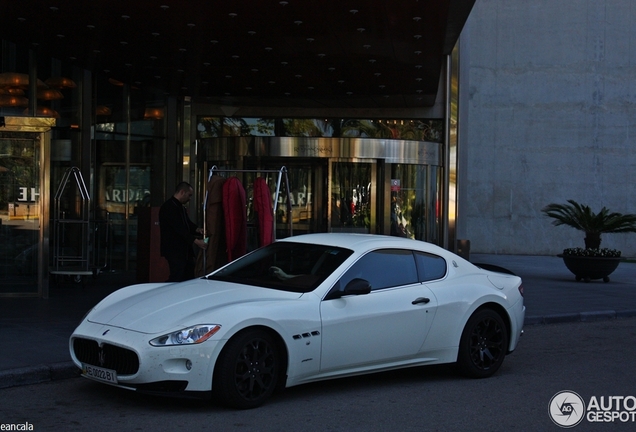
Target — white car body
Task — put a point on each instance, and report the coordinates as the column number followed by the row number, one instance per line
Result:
column 322, row 338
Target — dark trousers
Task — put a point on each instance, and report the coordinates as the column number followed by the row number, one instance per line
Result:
column 181, row 268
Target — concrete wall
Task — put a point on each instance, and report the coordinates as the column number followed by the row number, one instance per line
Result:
column 551, row 105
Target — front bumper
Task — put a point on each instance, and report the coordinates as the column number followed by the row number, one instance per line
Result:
column 140, row 366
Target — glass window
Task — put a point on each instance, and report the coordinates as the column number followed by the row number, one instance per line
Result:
column 287, row 266
column 430, row 267
column 307, row 128
column 19, row 211
column 351, row 197
column 415, row 198
column 383, row 269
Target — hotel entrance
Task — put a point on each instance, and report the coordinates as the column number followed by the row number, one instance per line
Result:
column 370, row 186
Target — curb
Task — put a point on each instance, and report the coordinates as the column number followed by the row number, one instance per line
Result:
column 579, row 317
column 38, row 374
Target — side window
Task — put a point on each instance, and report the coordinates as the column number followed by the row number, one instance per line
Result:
column 383, row 269
column 430, row 267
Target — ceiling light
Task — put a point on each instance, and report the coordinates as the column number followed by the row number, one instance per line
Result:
column 361, row 29
column 417, row 18
column 60, row 82
column 354, row 11
column 298, row 22
column 125, row 17
column 232, row 15
column 164, row 7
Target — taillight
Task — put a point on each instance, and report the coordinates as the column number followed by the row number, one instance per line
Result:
column 521, row 290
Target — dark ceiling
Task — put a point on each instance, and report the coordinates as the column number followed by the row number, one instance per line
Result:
column 304, row 53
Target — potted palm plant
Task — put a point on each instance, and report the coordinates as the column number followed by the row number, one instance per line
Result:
column 591, row 262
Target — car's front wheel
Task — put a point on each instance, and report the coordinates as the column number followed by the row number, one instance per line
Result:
column 483, row 344
column 247, row 370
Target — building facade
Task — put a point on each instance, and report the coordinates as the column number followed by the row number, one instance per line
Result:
column 551, row 114
column 79, row 188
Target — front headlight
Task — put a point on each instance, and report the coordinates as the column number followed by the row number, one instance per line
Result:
column 191, row 335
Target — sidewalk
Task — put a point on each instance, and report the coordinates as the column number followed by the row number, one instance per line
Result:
column 34, row 333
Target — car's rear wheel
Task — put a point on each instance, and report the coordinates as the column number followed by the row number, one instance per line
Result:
column 483, row 344
column 247, row 370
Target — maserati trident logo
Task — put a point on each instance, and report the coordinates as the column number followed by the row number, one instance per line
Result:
column 102, row 357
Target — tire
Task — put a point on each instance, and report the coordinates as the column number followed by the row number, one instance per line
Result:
column 247, row 371
column 483, row 345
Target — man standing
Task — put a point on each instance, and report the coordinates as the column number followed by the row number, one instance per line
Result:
column 178, row 234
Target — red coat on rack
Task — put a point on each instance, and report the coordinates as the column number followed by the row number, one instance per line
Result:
column 235, row 213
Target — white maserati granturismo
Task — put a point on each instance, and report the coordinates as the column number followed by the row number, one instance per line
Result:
column 303, row 309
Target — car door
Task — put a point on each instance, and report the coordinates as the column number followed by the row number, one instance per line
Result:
column 388, row 324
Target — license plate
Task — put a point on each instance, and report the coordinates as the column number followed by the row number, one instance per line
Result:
column 100, row 374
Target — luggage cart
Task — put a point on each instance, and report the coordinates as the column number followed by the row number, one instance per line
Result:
column 72, row 233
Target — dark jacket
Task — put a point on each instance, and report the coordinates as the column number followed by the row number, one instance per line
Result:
column 178, row 232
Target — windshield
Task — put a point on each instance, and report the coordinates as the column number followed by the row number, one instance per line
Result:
column 297, row 267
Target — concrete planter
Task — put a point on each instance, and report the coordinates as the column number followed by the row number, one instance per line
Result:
column 590, row 268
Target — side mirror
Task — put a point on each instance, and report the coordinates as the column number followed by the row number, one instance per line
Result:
column 357, row 286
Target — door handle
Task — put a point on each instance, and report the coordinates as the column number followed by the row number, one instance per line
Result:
column 420, row 300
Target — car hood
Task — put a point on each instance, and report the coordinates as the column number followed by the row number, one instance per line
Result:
column 154, row 308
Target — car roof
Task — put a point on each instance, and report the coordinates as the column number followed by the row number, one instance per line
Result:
column 363, row 242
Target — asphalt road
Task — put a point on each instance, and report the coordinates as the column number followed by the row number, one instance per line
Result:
column 593, row 359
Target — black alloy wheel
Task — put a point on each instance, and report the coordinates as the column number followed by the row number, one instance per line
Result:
column 247, row 370
column 483, row 344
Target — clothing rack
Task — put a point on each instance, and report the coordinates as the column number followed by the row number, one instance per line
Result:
column 282, row 174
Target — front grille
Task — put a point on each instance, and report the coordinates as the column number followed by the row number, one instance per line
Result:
column 121, row 360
